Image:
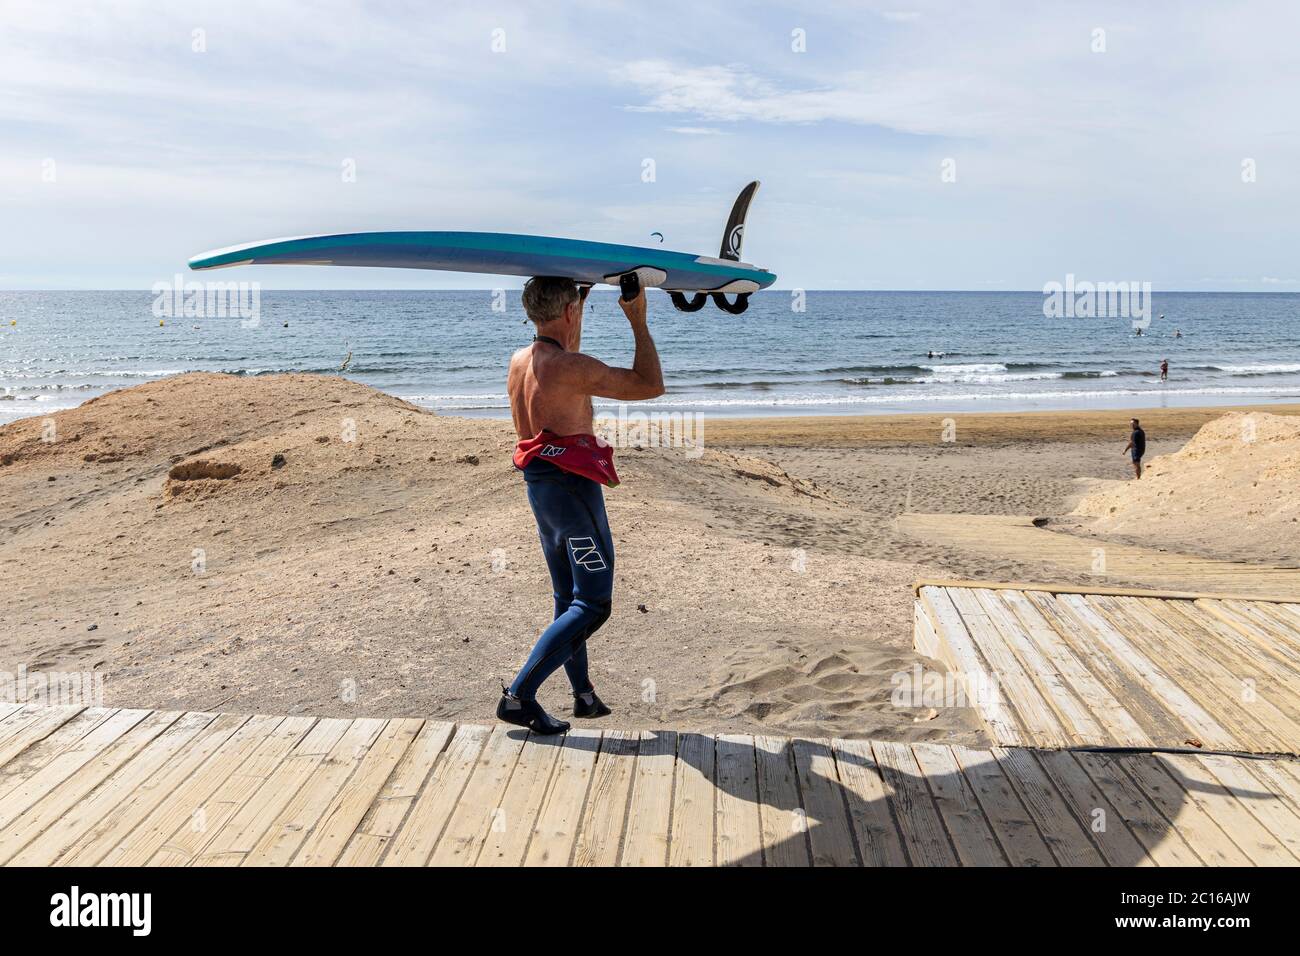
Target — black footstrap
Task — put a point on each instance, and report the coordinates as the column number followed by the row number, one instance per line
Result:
column 693, row 304
column 735, row 308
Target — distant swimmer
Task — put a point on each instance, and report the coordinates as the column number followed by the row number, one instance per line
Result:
column 1164, row 370
column 1178, row 333
column 1136, row 447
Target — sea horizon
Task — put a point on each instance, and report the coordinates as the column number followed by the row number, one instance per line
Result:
column 859, row 352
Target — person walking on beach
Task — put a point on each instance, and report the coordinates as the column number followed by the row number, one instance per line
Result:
column 551, row 384
column 1164, row 370
column 1137, row 446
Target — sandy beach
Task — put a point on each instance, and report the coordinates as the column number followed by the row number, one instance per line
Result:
column 297, row 543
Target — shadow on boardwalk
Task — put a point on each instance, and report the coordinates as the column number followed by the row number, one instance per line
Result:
column 777, row 801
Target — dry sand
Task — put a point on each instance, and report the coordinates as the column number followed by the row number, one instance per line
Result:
column 306, row 544
column 1234, row 489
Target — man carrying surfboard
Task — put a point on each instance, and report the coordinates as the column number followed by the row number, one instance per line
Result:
column 551, row 384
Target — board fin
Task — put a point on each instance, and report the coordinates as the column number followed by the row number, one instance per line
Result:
column 735, row 231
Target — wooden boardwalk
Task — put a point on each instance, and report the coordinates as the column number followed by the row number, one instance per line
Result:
column 1018, row 538
column 1057, row 667
column 112, row 787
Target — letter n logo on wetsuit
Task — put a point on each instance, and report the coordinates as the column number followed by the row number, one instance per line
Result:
column 585, row 553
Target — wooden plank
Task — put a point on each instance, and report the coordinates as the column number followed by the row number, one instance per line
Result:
column 342, row 816
column 1040, row 588
column 1117, row 725
column 1177, row 814
column 923, row 833
column 236, row 781
column 1252, row 611
column 1242, row 655
column 1056, row 822
column 41, row 724
column 1077, row 722
column 782, row 819
column 1235, row 820
column 18, row 716
column 563, row 808
column 1016, row 831
column 185, row 808
column 1040, row 722
column 925, row 638
column 384, row 816
column 969, row 666
column 21, row 790
column 1168, row 691
column 691, row 841
column 282, row 838
column 958, row 807
column 1208, row 682
column 830, row 832
column 645, row 841
column 413, row 843
column 879, row 840
column 45, row 812
column 108, row 827
column 1151, row 713
column 1240, row 660
column 259, row 796
column 1262, row 639
column 738, row 826
column 57, row 834
column 1290, row 767
column 1278, row 782
column 1283, row 615
column 17, row 711
column 600, row 830
column 513, row 823
column 1101, row 819
column 1253, row 791
column 478, row 807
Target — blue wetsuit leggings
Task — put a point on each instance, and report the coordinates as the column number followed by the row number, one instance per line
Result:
column 571, row 522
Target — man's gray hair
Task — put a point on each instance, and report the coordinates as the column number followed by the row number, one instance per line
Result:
column 545, row 297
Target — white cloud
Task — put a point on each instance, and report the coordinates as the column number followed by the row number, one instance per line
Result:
column 1120, row 163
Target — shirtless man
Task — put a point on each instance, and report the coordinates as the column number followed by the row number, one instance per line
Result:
column 551, row 384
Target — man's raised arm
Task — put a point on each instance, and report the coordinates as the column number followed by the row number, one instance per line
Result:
column 645, row 379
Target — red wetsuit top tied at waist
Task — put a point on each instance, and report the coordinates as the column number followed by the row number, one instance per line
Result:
column 584, row 455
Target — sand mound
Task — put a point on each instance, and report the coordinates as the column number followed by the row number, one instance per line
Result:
column 1234, row 487
column 303, row 543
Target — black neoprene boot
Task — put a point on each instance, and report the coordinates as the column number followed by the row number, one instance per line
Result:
column 589, row 705
column 528, row 713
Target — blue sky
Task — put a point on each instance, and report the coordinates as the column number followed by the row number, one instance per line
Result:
column 1125, row 164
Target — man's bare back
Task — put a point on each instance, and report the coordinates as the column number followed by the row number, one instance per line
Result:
column 551, row 382
column 538, row 400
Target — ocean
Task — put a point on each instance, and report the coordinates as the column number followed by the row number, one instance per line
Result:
column 845, row 353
